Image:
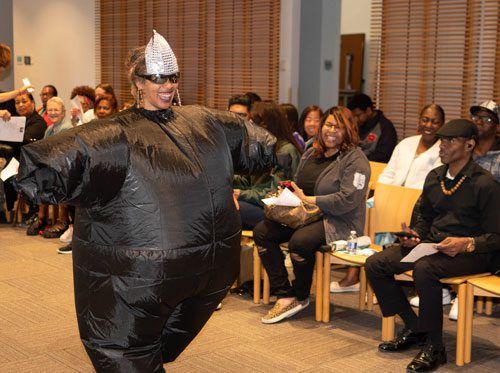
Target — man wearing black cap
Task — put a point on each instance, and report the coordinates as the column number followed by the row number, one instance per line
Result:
column 459, row 213
column 487, row 151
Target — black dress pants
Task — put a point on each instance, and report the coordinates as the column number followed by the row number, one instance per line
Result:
column 427, row 272
column 302, row 244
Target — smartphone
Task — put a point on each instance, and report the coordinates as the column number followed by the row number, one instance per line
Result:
column 287, row 184
column 404, row 234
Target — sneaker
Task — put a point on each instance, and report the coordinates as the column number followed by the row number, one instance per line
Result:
column 278, row 312
column 415, row 301
column 336, row 288
column 65, row 249
column 454, row 310
column 67, row 236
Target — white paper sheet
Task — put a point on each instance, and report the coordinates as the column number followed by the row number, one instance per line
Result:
column 10, row 170
column 13, row 129
column 26, row 83
column 75, row 102
column 420, row 251
column 286, row 198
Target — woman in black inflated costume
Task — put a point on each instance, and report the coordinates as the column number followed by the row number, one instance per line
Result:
column 157, row 233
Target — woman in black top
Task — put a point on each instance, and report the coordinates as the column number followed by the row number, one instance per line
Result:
column 333, row 174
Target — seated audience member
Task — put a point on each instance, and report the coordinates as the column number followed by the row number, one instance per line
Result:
column 253, row 97
column 459, row 213
column 105, row 107
column 34, row 130
column 241, row 105
column 487, row 155
column 377, row 133
column 101, row 90
column 46, row 93
column 292, row 115
column 57, row 115
column 333, row 174
column 86, row 96
column 409, row 165
column 249, row 190
column 487, row 152
column 309, row 124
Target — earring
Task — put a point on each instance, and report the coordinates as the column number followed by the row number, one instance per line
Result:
column 178, row 98
column 139, row 98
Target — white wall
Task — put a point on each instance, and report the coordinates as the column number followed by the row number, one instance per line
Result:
column 7, row 78
column 356, row 19
column 59, row 37
column 289, row 51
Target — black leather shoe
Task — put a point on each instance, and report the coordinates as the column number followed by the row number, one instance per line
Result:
column 427, row 360
column 403, row 341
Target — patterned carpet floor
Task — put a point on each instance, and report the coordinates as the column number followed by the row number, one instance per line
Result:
column 38, row 330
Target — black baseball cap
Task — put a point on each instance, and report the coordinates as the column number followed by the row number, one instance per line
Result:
column 458, row 128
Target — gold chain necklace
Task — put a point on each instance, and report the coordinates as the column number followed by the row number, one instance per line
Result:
column 454, row 189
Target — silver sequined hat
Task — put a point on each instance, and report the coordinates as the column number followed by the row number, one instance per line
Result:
column 160, row 59
column 489, row 106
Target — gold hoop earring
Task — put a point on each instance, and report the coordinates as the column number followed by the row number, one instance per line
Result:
column 139, row 98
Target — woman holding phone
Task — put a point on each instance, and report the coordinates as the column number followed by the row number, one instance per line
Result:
column 333, row 174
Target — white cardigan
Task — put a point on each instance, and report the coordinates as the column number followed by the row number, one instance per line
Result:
column 404, row 169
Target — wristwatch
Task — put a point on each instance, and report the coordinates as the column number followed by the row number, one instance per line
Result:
column 471, row 246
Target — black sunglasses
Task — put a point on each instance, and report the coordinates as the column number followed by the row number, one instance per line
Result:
column 161, row 78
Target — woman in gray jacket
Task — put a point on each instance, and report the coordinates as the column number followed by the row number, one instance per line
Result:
column 333, row 174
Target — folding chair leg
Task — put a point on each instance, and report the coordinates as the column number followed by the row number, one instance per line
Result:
column 256, row 275
column 462, row 290
column 319, row 286
column 362, row 289
column 388, row 324
column 488, row 306
column 369, row 295
column 326, row 286
column 479, row 305
column 469, row 314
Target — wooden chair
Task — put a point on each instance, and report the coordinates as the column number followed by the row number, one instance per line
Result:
column 324, row 259
column 488, row 286
column 258, row 272
column 460, row 285
column 376, row 170
column 393, row 205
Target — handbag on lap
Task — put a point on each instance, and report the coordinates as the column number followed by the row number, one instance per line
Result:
column 293, row 216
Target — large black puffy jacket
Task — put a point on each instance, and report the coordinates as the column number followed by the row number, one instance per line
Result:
column 155, row 222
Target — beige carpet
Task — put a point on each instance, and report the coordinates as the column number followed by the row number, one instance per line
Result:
column 38, row 331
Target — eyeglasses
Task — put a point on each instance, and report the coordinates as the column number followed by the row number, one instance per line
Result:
column 482, row 118
column 161, row 78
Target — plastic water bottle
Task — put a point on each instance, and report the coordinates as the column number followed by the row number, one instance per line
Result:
column 352, row 243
